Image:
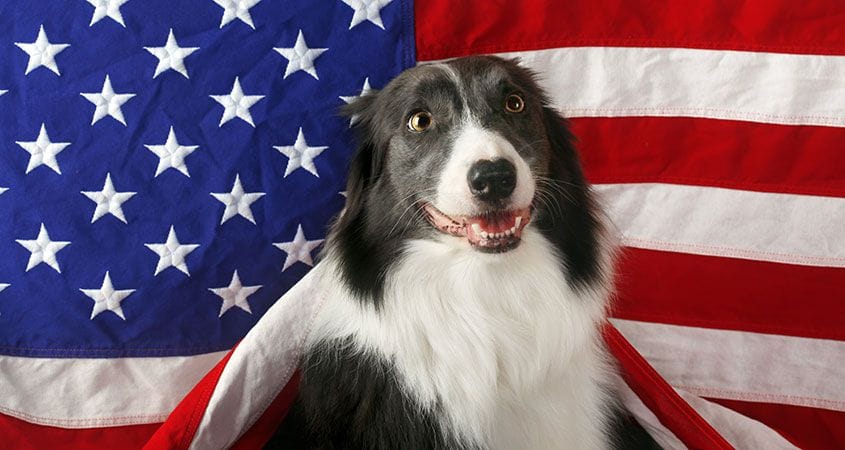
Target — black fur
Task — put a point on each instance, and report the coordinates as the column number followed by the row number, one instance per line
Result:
column 364, row 243
column 627, row 434
column 352, row 400
column 572, row 227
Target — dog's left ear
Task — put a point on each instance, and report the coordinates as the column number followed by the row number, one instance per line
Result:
column 361, row 113
column 573, row 226
column 365, row 166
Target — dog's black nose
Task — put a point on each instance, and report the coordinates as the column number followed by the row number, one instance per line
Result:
column 492, row 180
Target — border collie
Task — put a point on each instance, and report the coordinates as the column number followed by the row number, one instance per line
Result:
column 466, row 279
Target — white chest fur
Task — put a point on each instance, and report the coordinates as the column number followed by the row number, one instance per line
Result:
column 503, row 344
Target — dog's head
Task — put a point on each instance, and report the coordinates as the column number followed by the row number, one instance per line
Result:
column 469, row 153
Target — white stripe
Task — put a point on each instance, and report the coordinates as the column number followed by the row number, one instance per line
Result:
column 260, row 366
column 740, row 431
column 738, row 365
column 88, row 393
column 719, row 84
column 795, row 229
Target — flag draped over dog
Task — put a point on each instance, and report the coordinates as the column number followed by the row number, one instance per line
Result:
column 168, row 170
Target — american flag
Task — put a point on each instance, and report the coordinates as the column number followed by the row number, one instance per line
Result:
column 167, row 170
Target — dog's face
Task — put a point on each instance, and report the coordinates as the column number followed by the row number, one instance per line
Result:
column 465, row 152
column 465, row 143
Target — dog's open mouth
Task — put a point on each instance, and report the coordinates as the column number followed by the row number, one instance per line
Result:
column 495, row 232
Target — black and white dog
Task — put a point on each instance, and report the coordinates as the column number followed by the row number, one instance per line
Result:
column 468, row 276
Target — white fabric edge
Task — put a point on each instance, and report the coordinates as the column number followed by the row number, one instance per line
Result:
column 89, row 393
column 745, row 366
column 785, row 228
column 778, row 88
column 272, row 346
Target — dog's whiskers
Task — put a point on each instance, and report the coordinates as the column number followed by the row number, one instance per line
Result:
column 410, row 206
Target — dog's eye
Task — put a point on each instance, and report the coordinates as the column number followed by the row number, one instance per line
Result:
column 419, row 121
column 514, row 103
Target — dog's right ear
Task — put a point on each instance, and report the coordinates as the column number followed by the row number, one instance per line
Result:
column 365, row 166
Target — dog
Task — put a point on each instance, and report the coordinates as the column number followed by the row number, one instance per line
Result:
column 467, row 277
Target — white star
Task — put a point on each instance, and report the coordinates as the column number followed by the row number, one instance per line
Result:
column 237, row 201
column 299, row 249
column 107, row 102
column 236, row 104
column 236, row 9
column 300, row 155
column 349, row 99
column 171, row 56
column 110, row 8
column 235, row 294
column 41, row 53
column 172, row 253
column 171, row 154
column 2, row 190
column 107, row 298
column 108, row 201
column 4, row 286
column 367, row 10
column 42, row 250
column 42, row 151
column 300, row 57
column 3, row 91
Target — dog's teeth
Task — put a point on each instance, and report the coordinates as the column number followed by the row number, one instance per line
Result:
column 518, row 221
column 476, row 228
column 484, row 235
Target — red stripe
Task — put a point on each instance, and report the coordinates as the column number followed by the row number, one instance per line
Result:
column 21, row 435
column 178, row 430
column 263, row 430
column 727, row 293
column 447, row 28
column 739, row 155
column 807, row 428
column 672, row 411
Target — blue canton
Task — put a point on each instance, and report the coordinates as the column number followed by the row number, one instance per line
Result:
column 168, row 169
